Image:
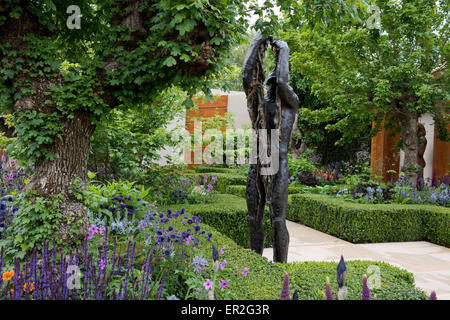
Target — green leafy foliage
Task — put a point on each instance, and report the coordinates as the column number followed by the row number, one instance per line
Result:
column 127, row 142
column 36, row 132
column 36, row 221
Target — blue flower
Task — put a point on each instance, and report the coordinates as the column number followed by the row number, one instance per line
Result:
column 341, row 272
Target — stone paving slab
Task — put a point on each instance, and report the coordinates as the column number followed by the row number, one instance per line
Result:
column 429, row 263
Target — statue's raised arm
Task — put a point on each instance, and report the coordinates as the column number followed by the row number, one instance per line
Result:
column 252, row 68
column 285, row 91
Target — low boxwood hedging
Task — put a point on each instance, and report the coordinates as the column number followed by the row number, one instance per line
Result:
column 264, row 278
column 204, row 169
column 362, row 223
column 241, row 190
column 228, row 214
column 223, row 179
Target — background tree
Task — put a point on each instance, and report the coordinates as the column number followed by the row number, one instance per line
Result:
column 376, row 74
column 314, row 120
column 127, row 144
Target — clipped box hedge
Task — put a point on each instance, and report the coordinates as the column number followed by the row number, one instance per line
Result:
column 264, row 279
column 209, row 170
column 223, row 179
column 228, row 214
column 240, row 190
column 368, row 223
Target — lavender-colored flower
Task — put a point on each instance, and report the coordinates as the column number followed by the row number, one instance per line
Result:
column 365, row 289
column 199, row 262
column 222, row 250
column 102, row 264
column 244, row 273
column 285, row 290
column 328, row 294
column 433, row 295
column 215, row 253
column 222, row 265
column 341, row 272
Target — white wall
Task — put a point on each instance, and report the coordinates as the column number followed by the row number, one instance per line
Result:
column 177, row 123
column 237, row 105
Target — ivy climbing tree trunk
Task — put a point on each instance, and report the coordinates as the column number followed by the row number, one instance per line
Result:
column 70, row 150
column 69, row 166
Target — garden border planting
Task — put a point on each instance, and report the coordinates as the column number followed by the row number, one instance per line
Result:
column 228, row 214
column 264, row 279
column 224, row 180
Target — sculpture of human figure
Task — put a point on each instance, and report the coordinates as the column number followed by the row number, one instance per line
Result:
column 275, row 110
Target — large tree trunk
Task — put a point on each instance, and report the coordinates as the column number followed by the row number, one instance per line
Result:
column 71, row 152
column 408, row 130
column 58, row 176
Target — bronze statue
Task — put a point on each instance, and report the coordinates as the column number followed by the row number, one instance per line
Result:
column 276, row 110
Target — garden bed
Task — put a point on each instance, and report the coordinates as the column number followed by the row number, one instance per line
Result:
column 264, row 278
column 228, row 214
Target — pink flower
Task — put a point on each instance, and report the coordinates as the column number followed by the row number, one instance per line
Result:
column 244, row 273
column 188, row 239
column 222, row 265
column 222, row 250
column 93, row 229
column 223, row 284
column 102, row 264
column 208, row 284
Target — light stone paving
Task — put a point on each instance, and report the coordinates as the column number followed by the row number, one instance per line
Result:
column 429, row 263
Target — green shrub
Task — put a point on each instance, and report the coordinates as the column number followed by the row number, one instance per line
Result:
column 361, row 223
column 240, row 190
column 226, row 179
column 228, row 214
column 210, row 170
column 264, row 278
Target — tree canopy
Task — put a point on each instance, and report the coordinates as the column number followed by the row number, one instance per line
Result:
column 386, row 72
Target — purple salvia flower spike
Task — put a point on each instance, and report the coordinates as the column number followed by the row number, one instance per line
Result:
column 285, row 290
column 365, row 289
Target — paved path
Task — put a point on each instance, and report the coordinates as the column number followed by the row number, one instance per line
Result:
column 430, row 263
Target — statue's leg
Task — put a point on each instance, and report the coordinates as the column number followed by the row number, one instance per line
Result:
column 278, row 208
column 255, row 204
